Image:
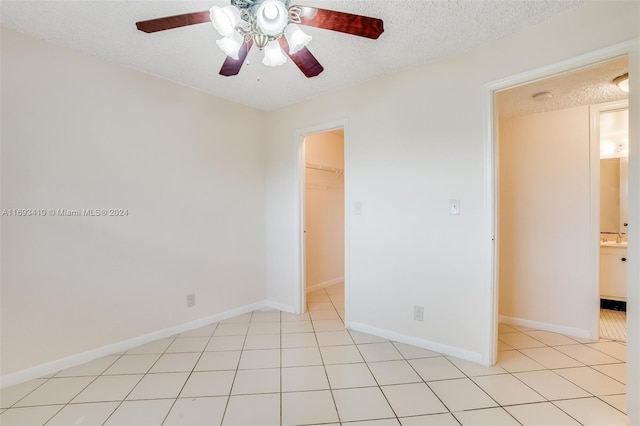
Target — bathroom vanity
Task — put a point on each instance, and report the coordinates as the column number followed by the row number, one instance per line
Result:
column 613, row 271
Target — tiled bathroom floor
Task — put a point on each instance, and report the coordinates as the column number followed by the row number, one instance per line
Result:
column 273, row 368
column 613, row 325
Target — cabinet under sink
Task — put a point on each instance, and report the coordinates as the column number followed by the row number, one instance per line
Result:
column 613, row 271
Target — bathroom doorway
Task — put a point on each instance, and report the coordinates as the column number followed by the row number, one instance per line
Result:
column 610, row 134
column 548, row 229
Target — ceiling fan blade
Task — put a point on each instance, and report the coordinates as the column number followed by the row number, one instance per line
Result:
column 303, row 58
column 176, row 21
column 359, row 25
column 233, row 66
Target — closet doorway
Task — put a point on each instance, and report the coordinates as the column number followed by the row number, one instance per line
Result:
column 324, row 224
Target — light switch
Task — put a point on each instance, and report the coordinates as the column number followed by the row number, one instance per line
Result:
column 357, row 208
column 454, row 207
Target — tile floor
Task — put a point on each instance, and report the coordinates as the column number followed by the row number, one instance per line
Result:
column 273, row 368
column 613, row 324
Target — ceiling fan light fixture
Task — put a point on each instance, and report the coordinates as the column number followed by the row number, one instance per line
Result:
column 272, row 16
column 231, row 45
column 622, row 82
column 225, row 19
column 244, row 24
column 273, row 55
column 260, row 40
column 296, row 38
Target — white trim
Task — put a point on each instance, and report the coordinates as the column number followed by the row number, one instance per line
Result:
column 490, row 356
column 347, row 224
column 539, row 325
column 420, row 343
column 594, row 216
column 90, row 355
column 301, row 296
column 491, row 164
column 633, row 247
column 280, row 306
column 324, row 284
column 299, row 182
column 570, row 64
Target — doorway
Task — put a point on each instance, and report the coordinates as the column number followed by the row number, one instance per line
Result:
column 610, row 137
column 323, row 230
column 575, row 238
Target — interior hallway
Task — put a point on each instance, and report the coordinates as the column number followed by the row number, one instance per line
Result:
column 270, row 367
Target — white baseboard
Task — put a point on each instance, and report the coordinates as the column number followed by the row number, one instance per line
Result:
column 414, row 341
column 325, row 284
column 554, row 328
column 83, row 357
column 280, row 306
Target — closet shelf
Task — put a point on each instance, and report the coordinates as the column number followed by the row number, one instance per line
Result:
column 324, row 168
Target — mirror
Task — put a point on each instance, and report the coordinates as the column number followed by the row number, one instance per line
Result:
column 613, row 195
column 614, row 166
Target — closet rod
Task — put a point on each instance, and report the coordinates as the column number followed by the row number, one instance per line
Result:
column 324, row 168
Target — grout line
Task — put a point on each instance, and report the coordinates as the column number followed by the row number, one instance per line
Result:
column 190, row 373
column 333, row 398
column 143, row 375
column 560, row 408
column 376, row 380
column 253, row 319
column 82, row 390
column 609, row 404
column 235, row 374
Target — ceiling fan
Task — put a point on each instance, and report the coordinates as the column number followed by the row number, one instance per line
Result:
column 271, row 25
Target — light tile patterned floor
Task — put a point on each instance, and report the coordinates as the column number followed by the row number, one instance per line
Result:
column 273, row 368
column 613, row 325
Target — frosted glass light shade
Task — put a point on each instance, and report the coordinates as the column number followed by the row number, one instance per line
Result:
column 225, row 19
column 273, row 55
column 231, row 45
column 622, row 82
column 296, row 38
column 272, row 17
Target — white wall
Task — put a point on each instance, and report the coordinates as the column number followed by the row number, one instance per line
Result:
column 415, row 141
column 324, row 209
column 544, row 227
column 81, row 133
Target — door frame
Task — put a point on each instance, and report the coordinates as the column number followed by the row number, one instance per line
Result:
column 299, row 183
column 594, row 169
column 491, row 182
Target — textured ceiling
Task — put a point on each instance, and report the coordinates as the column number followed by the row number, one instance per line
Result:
column 585, row 86
column 416, row 31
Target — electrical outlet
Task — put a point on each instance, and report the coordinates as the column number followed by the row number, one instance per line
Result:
column 418, row 313
column 191, row 300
